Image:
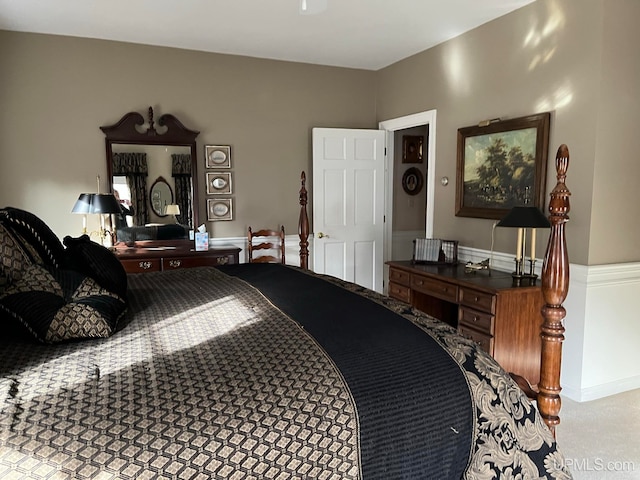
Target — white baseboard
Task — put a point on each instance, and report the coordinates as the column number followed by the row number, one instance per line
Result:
column 601, row 391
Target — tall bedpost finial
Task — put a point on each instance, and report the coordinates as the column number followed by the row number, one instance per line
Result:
column 303, row 224
column 555, row 286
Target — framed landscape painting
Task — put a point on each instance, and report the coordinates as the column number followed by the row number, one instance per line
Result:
column 502, row 165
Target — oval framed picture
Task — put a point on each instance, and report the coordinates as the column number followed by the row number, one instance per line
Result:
column 412, row 181
column 219, row 183
column 219, row 209
column 217, row 156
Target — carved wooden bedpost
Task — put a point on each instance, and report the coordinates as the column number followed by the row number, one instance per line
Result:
column 555, row 286
column 303, row 224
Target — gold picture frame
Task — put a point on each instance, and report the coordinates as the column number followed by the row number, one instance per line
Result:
column 500, row 165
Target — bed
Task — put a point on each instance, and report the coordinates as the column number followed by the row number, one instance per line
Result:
column 255, row 371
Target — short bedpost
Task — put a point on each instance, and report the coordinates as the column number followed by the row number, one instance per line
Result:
column 303, row 225
column 555, row 286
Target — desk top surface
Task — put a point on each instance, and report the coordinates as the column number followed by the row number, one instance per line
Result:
column 170, row 248
column 485, row 279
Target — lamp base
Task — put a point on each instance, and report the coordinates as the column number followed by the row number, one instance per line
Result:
column 524, row 279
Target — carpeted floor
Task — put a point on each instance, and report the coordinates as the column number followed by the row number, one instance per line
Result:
column 601, row 439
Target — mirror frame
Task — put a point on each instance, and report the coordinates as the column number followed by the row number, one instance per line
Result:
column 129, row 130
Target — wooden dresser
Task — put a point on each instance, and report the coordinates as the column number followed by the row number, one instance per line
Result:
column 171, row 255
column 504, row 319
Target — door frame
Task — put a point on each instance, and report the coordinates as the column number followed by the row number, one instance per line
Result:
column 391, row 126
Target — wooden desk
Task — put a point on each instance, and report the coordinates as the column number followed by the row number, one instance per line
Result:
column 505, row 320
column 173, row 254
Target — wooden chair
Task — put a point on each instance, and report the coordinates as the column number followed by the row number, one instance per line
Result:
column 266, row 240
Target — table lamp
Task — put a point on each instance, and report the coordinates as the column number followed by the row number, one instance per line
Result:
column 174, row 210
column 523, row 218
column 96, row 203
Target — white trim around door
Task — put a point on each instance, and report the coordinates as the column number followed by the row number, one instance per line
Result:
column 391, row 126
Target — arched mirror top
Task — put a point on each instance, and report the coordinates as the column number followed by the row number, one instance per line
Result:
column 130, row 129
column 139, row 150
column 161, row 195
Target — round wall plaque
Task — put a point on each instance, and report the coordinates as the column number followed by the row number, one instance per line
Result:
column 412, row 181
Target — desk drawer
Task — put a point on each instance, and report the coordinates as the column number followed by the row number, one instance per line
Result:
column 143, row 265
column 400, row 292
column 485, row 341
column 485, row 302
column 445, row 291
column 483, row 322
column 400, row 277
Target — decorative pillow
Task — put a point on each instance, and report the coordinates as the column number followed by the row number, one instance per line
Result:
column 37, row 237
column 57, row 305
column 13, row 258
column 97, row 262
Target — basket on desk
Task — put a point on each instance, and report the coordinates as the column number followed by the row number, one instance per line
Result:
column 435, row 251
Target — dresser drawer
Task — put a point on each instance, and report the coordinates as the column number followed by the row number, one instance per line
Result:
column 174, row 263
column 400, row 277
column 478, row 300
column 400, row 292
column 142, row 265
column 482, row 322
column 445, row 291
column 485, row 341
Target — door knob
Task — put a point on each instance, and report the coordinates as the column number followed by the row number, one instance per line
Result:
column 322, row 235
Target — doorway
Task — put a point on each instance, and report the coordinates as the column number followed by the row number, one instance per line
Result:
column 428, row 120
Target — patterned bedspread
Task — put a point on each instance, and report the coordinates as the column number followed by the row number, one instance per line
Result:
column 207, row 377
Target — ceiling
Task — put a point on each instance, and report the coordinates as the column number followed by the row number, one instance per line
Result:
column 366, row 34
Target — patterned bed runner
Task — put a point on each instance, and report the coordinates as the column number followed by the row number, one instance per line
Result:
column 412, row 398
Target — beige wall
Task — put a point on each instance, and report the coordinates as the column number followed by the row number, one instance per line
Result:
column 548, row 56
column 56, row 91
column 575, row 58
column 615, row 229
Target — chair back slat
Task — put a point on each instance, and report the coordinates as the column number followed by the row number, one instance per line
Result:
column 266, row 239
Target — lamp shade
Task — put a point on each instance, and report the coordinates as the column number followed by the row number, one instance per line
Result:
column 96, row 203
column 172, row 209
column 525, row 217
column 83, row 204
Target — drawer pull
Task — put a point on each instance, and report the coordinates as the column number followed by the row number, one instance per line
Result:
column 475, row 318
column 476, row 299
column 175, row 263
column 145, row 265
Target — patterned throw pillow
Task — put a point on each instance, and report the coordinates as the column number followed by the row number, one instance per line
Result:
column 96, row 261
column 36, row 237
column 13, row 258
column 57, row 305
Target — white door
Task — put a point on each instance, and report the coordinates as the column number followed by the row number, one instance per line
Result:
column 348, row 204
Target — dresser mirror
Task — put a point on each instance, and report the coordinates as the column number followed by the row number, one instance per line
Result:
column 149, row 168
column 161, row 196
